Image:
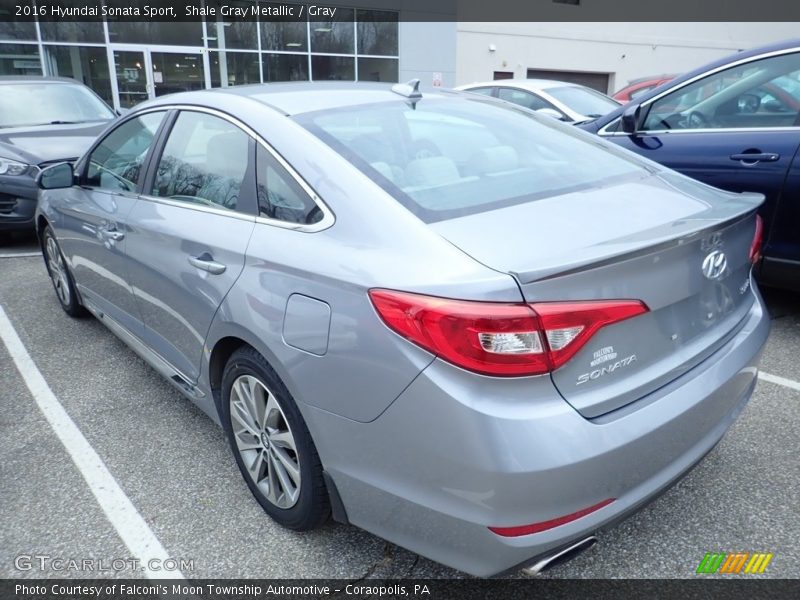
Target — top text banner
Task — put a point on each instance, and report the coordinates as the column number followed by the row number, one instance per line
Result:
column 173, row 10
column 404, row 10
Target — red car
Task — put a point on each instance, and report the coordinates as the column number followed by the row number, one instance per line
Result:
column 639, row 86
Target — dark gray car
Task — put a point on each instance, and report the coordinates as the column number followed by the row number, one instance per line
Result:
column 42, row 121
column 475, row 331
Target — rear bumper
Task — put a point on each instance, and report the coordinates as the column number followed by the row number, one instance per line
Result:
column 455, row 454
column 18, row 196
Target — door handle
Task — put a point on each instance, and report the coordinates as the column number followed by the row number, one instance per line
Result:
column 206, row 262
column 112, row 234
column 756, row 157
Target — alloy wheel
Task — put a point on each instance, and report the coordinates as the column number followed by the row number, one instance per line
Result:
column 265, row 441
column 58, row 270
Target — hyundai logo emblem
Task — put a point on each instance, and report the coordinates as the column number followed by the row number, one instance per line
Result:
column 714, row 264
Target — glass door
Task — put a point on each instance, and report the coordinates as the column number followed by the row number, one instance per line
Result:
column 177, row 71
column 144, row 73
column 133, row 79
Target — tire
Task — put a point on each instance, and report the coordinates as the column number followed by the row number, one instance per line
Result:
column 274, row 450
column 60, row 277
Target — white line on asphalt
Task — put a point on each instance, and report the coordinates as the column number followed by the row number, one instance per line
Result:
column 20, row 254
column 794, row 385
column 120, row 511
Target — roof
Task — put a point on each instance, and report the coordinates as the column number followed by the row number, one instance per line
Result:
column 531, row 84
column 301, row 97
column 36, row 79
column 652, row 78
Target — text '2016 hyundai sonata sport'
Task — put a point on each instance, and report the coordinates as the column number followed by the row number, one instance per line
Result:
column 474, row 331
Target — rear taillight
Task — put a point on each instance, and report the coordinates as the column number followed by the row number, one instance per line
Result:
column 499, row 339
column 569, row 325
column 758, row 237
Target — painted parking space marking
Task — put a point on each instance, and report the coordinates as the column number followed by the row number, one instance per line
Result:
column 776, row 379
column 19, row 254
column 120, row 511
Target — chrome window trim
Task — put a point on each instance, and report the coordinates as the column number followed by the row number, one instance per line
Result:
column 223, row 212
column 328, row 218
column 604, row 130
column 705, row 130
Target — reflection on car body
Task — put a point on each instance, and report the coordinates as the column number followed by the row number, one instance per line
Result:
column 390, row 302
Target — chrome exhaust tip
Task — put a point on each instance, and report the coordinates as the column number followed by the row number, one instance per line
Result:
column 560, row 556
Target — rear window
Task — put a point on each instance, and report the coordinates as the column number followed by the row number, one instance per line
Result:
column 446, row 158
column 584, row 100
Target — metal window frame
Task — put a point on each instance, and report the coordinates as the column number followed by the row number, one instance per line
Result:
column 328, row 217
column 204, row 50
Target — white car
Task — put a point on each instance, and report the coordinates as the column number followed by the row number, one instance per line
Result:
column 568, row 102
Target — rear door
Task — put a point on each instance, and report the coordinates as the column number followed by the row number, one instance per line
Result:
column 191, row 229
column 737, row 128
column 96, row 217
column 782, row 263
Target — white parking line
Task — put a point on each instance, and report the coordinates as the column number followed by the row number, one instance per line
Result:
column 789, row 383
column 19, row 254
column 120, row 511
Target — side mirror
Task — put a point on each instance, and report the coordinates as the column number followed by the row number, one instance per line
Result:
column 630, row 119
column 56, row 177
column 550, row 112
column 748, row 103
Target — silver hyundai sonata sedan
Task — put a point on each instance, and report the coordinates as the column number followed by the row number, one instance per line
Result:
column 469, row 329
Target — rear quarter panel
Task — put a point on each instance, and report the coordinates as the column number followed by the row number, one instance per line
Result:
column 374, row 242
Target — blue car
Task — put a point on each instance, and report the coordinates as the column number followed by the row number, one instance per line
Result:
column 734, row 124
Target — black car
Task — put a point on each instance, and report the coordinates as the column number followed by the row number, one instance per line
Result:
column 734, row 124
column 42, row 121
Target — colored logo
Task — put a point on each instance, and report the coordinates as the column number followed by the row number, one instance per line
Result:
column 736, row 562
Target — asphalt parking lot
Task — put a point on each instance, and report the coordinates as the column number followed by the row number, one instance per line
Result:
column 175, row 467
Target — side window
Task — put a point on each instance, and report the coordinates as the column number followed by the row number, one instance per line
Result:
column 641, row 91
column 733, row 98
column 280, row 196
column 773, row 100
column 486, row 91
column 116, row 163
column 523, row 98
column 782, row 94
column 204, row 161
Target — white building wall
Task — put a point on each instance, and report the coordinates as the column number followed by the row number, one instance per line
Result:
column 623, row 50
column 428, row 50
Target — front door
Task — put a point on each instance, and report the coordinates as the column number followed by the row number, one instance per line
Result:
column 737, row 129
column 96, row 218
column 191, row 228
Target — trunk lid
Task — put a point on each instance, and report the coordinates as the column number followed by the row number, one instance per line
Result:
column 645, row 240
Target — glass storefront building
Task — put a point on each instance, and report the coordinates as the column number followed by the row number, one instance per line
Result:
column 128, row 62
